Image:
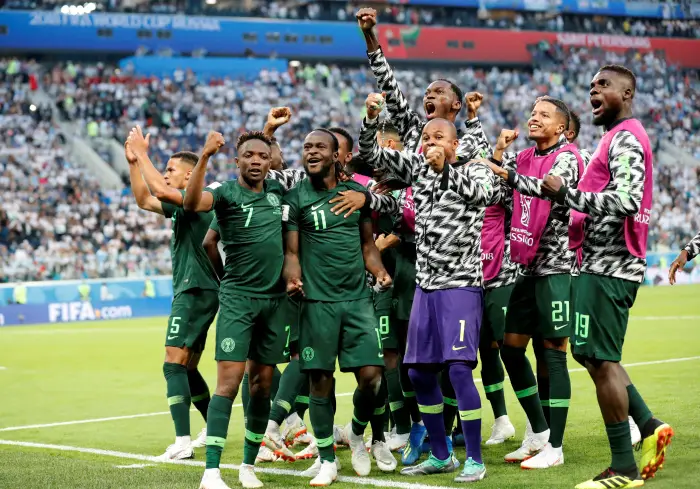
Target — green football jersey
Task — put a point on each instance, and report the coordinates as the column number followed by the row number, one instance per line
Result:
column 191, row 266
column 250, row 226
column 330, row 246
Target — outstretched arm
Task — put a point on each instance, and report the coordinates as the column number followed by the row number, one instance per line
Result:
column 395, row 163
column 144, row 199
column 288, row 178
column 195, row 199
column 155, row 181
column 565, row 167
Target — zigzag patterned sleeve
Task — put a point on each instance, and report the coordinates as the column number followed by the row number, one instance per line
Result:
column 474, row 143
column 693, row 247
column 565, row 166
column 384, row 204
column 623, row 195
column 397, row 164
column 475, row 185
column 396, row 104
column 288, row 178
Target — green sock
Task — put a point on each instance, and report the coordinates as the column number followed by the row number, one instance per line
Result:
column 523, row 381
column 492, row 376
column 301, row 403
column 409, row 395
column 218, row 417
column 638, row 408
column 363, row 408
column 256, row 423
column 559, row 394
column 334, row 403
column 622, row 451
column 449, row 412
column 380, row 414
column 400, row 415
column 178, row 391
column 543, row 391
column 321, row 413
column 245, row 394
column 276, row 379
column 289, row 387
column 200, row 392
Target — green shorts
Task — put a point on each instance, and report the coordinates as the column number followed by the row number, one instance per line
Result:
column 191, row 314
column 601, row 311
column 344, row 330
column 540, row 306
column 404, row 281
column 291, row 313
column 384, row 318
column 494, row 323
column 252, row 328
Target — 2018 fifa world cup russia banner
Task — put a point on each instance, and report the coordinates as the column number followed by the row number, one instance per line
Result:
column 518, row 47
column 77, row 311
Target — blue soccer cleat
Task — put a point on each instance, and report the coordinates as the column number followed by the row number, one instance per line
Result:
column 412, row 451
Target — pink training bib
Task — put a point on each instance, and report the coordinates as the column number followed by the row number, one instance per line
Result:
column 493, row 241
column 597, row 176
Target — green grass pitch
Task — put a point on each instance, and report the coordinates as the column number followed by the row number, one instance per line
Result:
column 87, row 371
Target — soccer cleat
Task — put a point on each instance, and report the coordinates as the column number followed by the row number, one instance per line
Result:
column 327, row 475
column 360, row 457
column 548, row 457
column 266, row 455
column 383, row 456
column 449, row 449
column 472, row 472
column 501, row 431
column 610, row 479
column 177, row 452
column 654, row 450
column 431, row 466
column 412, row 450
column 247, row 477
column 530, row 447
column 201, row 440
column 316, row 468
column 340, row 434
column 310, row 451
column 274, row 442
column 212, row 480
column 635, row 434
column 294, row 430
column 397, row 442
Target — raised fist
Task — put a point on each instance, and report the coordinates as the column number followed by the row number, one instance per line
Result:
column 215, row 140
column 278, row 116
column 366, row 18
column 374, row 104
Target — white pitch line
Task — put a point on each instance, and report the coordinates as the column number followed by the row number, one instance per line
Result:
column 661, row 318
column 3, row 368
column 364, row 481
column 134, row 466
column 342, row 394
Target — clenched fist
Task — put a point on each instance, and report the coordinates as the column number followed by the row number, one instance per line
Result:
column 435, row 157
column 366, row 18
column 473, row 101
column 215, row 140
column 506, row 138
column 278, row 116
column 374, row 104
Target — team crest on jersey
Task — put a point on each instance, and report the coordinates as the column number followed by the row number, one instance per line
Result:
column 308, row 354
column 525, row 202
column 228, row 345
column 274, row 202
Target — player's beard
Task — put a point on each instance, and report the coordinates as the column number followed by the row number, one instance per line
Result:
column 318, row 178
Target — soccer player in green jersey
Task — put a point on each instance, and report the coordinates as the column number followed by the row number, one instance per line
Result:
column 325, row 261
column 195, row 285
column 251, row 323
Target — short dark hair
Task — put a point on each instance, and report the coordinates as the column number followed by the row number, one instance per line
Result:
column 335, row 139
column 621, row 70
column 250, row 135
column 358, row 165
column 561, row 107
column 348, row 137
column 455, row 89
column 576, row 121
column 186, row 157
column 388, row 127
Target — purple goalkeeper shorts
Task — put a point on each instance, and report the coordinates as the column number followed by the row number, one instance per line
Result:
column 444, row 325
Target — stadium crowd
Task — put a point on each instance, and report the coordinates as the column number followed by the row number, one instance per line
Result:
column 76, row 229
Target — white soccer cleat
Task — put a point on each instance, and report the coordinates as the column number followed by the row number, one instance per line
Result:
column 310, row 451
column 303, row 439
column 635, row 434
column 531, row 446
column 247, row 477
column 396, row 442
column 340, row 434
column 360, row 457
column 201, row 440
column 274, row 442
column 177, row 451
column 212, row 480
column 327, row 475
column 314, row 470
column 294, row 430
column 548, row 457
column 383, row 456
column 502, row 430
column 266, row 455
